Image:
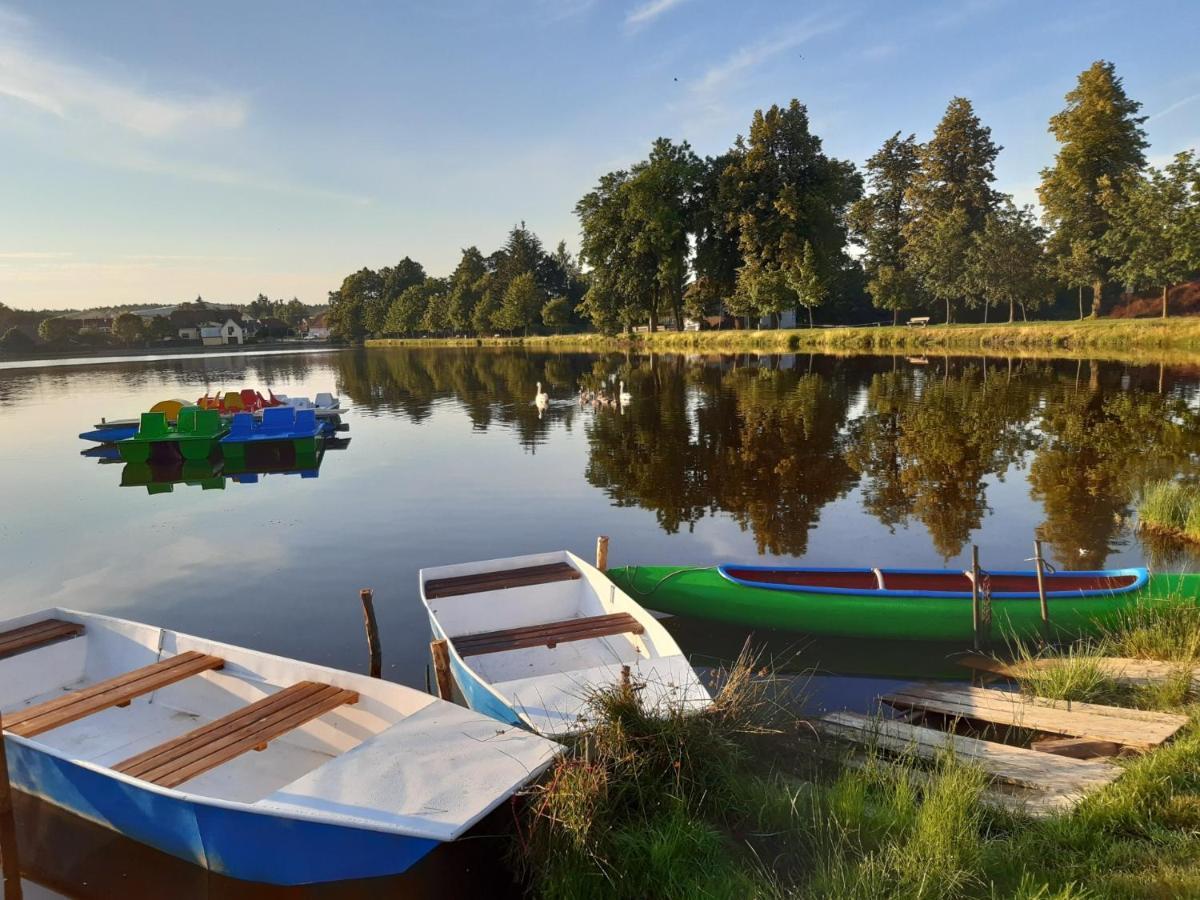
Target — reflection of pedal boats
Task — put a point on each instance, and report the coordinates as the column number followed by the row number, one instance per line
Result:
column 258, row 461
column 326, row 407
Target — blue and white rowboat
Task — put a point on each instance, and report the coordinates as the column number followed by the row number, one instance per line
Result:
column 251, row 765
column 532, row 637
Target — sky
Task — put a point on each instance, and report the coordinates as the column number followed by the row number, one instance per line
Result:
column 152, row 151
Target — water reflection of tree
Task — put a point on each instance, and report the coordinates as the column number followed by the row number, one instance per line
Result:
column 927, row 440
column 1100, row 445
column 492, row 388
column 761, row 444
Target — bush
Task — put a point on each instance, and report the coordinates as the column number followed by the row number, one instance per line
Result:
column 16, row 341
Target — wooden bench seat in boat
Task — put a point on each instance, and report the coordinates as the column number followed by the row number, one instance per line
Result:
column 38, row 634
column 250, row 728
column 118, row 691
column 548, row 634
column 497, row 581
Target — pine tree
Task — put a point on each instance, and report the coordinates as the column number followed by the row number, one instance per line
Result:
column 951, row 196
column 1101, row 139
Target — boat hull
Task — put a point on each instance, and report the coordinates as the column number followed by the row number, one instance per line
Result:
column 235, row 842
column 705, row 593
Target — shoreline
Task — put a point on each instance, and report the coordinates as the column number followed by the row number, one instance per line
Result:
column 70, row 358
column 1123, row 340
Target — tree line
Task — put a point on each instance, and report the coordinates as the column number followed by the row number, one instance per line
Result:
column 776, row 224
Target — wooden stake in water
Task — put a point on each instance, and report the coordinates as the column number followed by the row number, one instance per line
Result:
column 368, row 604
column 440, row 652
column 976, row 616
column 8, row 829
column 1041, row 582
column 602, row 553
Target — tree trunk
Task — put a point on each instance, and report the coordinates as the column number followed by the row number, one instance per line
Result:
column 1081, row 303
column 1012, row 311
column 985, row 311
column 947, row 310
column 1097, row 297
column 895, row 317
column 653, row 319
column 810, row 321
column 1165, row 291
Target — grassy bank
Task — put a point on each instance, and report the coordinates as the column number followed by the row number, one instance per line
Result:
column 1134, row 339
column 742, row 802
column 1171, row 508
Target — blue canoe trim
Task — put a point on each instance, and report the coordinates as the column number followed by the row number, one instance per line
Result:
column 237, row 842
column 1141, row 578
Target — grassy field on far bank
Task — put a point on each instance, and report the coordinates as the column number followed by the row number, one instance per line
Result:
column 1133, row 339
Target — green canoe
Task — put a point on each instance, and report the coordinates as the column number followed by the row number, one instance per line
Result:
column 911, row 604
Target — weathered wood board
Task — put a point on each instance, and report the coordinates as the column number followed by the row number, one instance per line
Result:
column 1124, row 670
column 1136, row 728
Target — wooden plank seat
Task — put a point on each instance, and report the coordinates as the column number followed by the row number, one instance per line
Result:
column 118, row 691
column 39, row 634
column 549, row 634
column 497, row 581
column 250, row 728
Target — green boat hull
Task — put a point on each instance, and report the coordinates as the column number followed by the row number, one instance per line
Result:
column 705, row 593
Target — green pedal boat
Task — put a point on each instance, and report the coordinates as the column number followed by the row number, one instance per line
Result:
column 910, row 604
column 194, row 438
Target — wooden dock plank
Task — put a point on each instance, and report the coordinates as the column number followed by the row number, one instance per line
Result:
column 1121, row 669
column 1058, row 775
column 547, row 634
column 33, row 720
column 1140, row 729
column 526, row 576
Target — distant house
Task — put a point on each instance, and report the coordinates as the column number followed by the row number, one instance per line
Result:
column 316, row 328
column 233, row 331
column 210, row 335
column 711, row 323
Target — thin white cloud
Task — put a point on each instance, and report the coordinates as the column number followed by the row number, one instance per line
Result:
column 748, row 58
column 1172, row 107
column 33, row 73
column 558, row 10
column 649, row 11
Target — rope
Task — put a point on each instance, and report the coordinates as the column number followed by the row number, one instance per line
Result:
column 633, row 570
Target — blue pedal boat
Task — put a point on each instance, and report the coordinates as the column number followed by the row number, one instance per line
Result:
column 279, row 425
column 251, row 765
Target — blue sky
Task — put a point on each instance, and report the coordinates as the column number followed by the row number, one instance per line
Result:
column 153, row 151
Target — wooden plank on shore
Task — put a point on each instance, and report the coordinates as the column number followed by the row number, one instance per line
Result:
column 1121, row 669
column 1139, row 729
column 1059, row 775
column 498, row 581
column 1079, row 748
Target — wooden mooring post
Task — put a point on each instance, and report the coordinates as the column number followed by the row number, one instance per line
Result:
column 976, row 608
column 1040, row 563
column 9, row 864
column 367, row 596
column 602, row 553
column 440, row 652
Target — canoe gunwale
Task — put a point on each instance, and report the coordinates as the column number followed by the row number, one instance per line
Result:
column 1140, row 575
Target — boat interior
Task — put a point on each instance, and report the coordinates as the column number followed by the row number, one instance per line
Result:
column 177, row 711
column 930, row 582
column 545, row 646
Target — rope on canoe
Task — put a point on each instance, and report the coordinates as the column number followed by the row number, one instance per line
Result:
column 634, row 571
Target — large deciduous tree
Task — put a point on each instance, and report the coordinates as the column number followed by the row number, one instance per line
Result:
column 127, row 328
column 1153, row 226
column 878, row 221
column 521, row 305
column 951, row 195
column 785, row 193
column 465, row 289
column 1101, row 141
column 1006, row 264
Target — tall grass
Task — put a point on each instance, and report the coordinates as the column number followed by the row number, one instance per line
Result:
column 1167, row 630
column 1171, row 507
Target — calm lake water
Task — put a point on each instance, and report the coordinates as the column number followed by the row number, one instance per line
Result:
column 865, row 461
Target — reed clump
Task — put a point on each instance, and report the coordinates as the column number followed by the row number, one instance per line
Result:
column 1172, row 508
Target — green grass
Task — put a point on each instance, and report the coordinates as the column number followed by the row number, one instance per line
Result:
column 1154, row 340
column 737, row 802
column 1171, row 507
